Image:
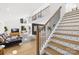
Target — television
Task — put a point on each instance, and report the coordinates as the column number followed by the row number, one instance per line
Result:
column 14, row 30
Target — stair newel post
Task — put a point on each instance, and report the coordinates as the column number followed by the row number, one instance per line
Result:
column 37, row 41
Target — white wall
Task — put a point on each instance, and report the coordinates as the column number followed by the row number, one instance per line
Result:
column 77, row 4
column 1, row 27
column 55, row 6
column 70, row 6
column 10, row 13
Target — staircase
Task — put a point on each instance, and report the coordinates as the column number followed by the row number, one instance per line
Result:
column 65, row 39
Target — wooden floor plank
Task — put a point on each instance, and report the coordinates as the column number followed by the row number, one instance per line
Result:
column 27, row 48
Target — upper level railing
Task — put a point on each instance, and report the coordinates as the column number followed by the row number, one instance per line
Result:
column 44, row 27
column 40, row 12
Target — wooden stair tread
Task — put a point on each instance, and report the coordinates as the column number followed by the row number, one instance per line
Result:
column 75, row 35
column 71, row 19
column 72, row 16
column 71, row 13
column 69, row 26
column 52, row 51
column 76, row 52
column 66, row 40
column 69, row 22
column 67, row 29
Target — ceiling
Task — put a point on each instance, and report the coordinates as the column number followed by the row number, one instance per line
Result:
column 19, row 8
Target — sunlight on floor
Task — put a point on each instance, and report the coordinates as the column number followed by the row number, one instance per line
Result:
column 27, row 48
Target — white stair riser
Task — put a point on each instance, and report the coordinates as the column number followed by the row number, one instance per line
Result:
column 68, row 37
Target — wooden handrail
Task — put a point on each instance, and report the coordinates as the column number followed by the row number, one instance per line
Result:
column 38, row 33
column 48, row 20
column 53, row 15
column 37, row 41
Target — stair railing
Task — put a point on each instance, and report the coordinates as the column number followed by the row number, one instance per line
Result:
column 48, row 39
column 50, row 34
column 45, row 31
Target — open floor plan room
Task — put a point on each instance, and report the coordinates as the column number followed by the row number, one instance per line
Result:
column 39, row 29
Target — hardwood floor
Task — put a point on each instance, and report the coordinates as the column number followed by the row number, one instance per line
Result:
column 27, row 48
